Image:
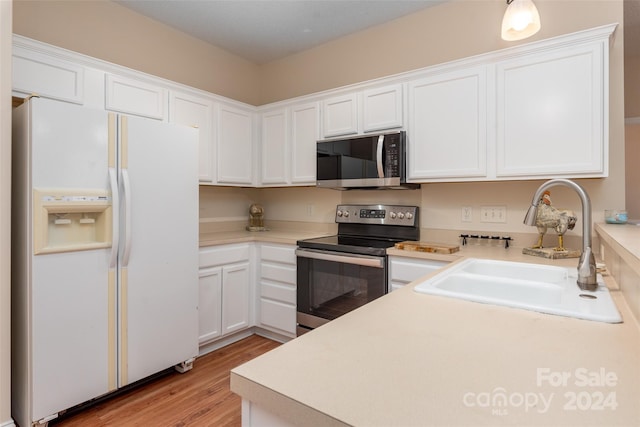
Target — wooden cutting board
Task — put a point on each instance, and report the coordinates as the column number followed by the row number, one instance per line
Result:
column 438, row 248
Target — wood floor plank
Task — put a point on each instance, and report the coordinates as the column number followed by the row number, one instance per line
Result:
column 200, row 397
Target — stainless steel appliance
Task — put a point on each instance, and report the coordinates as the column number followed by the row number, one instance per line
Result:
column 340, row 273
column 371, row 161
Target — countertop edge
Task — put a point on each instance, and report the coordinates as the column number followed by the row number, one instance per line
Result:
column 282, row 406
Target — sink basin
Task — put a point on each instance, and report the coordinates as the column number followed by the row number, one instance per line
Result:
column 541, row 288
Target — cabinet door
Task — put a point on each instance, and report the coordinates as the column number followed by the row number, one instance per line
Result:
column 305, row 132
column 448, row 125
column 551, row 114
column 340, row 115
column 235, row 146
column 275, row 147
column 196, row 112
column 235, row 297
column 382, row 108
column 210, row 304
column 46, row 76
column 136, row 97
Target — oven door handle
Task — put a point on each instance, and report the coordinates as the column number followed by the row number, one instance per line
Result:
column 366, row 261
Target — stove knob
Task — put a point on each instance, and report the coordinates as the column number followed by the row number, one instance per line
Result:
column 409, row 215
column 339, row 213
column 346, row 214
column 392, row 215
column 400, row 215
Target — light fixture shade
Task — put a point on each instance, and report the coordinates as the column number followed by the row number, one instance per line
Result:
column 521, row 20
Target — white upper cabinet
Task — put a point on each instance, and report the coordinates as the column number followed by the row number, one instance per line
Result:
column 551, row 113
column 531, row 112
column 447, row 135
column 288, row 147
column 305, row 132
column 195, row 111
column 137, row 97
column 382, row 108
column 275, row 147
column 235, row 156
column 340, row 115
column 35, row 73
column 369, row 110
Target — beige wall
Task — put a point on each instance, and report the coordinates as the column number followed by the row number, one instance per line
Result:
column 106, row 30
column 632, row 86
column 632, row 159
column 452, row 30
column 5, row 213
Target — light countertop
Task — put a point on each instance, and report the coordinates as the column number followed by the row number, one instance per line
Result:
column 624, row 237
column 271, row 236
column 285, row 232
column 413, row 359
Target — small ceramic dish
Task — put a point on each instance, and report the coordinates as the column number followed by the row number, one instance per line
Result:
column 615, row 217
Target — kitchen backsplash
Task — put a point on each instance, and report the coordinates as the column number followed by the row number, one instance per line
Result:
column 441, row 204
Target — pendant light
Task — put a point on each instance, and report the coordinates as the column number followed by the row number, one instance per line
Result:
column 521, row 20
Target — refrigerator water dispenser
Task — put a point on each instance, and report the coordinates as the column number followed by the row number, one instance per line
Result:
column 68, row 220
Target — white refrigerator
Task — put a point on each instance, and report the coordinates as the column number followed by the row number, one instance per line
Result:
column 105, row 254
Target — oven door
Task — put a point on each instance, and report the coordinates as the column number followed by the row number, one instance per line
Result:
column 331, row 284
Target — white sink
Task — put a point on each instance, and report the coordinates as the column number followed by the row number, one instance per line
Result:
column 541, row 288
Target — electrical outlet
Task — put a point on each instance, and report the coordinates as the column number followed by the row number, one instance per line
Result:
column 310, row 209
column 493, row 214
column 467, row 214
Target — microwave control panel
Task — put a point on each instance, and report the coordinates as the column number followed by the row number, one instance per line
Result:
column 392, row 159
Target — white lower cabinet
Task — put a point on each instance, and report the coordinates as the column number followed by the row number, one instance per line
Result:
column 277, row 288
column 225, row 291
column 405, row 270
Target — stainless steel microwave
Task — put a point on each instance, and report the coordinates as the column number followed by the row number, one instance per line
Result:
column 370, row 161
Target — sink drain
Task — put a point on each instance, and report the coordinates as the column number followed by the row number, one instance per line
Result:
column 587, row 296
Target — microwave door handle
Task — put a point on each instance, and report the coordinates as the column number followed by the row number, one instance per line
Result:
column 379, row 156
column 345, row 259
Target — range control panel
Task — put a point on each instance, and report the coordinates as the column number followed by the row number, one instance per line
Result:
column 377, row 214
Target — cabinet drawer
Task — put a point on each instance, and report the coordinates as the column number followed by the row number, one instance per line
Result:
column 278, row 273
column 282, row 293
column 283, row 254
column 220, row 255
column 277, row 315
column 408, row 271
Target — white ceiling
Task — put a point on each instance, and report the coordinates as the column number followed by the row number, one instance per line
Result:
column 265, row 30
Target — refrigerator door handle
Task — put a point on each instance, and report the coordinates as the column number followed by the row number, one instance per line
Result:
column 115, row 209
column 126, row 186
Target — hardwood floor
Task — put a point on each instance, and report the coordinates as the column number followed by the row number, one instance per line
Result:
column 200, row 397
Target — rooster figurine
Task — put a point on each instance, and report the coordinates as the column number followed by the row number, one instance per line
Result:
column 549, row 217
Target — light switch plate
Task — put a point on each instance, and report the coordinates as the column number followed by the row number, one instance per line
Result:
column 493, row 214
